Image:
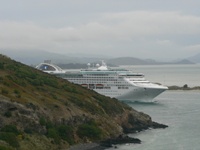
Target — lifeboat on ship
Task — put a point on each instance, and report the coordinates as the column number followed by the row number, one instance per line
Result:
column 99, row 86
column 84, row 85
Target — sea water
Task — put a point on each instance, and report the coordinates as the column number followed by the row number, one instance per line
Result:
column 170, row 74
column 180, row 110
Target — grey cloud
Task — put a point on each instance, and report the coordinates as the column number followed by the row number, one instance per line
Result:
column 134, row 29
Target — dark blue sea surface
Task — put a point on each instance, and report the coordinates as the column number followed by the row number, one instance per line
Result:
column 180, row 110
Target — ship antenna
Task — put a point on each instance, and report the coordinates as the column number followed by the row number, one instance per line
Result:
column 103, row 63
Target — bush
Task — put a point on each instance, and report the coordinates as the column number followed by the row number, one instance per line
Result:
column 10, row 138
column 42, row 121
column 36, row 82
column 4, row 91
column 1, row 79
column 8, row 114
column 8, row 134
column 53, row 133
column 4, row 148
column 66, row 133
column 185, row 86
column 63, row 132
column 6, row 83
column 2, row 66
column 54, row 96
column 90, row 130
column 49, row 124
column 16, row 91
column 28, row 130
column 10, row 128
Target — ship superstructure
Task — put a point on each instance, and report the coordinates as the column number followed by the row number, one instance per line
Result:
column 118, row 83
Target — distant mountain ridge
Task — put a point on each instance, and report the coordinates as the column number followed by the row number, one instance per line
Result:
column 195, row 58
column 137, row 61
column 36, row 57
column 127, row 61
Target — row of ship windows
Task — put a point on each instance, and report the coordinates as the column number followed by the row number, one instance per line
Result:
column 98, row 75
column 142, row 79
column 118, row 85
column 98, row 81
column 106, row 79
column 122, row 87
column 107, row 87
column 111, row 79
column 100, row 88
column 112, row 93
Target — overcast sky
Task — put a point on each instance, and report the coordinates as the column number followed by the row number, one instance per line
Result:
column 158, row 29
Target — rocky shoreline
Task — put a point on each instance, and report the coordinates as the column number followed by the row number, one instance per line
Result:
column 88, row 146
column 184, row 87
column 113, row 142
column 124, row 139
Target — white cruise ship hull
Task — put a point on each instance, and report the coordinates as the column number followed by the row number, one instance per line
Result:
column 141, row 94
column 115, row 83
column 134, row 93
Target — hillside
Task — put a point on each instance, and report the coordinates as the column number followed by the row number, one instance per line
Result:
column 40, row 111
column 35, row 57
column 137, row 61
column 128, row 61
column 78, row 61
column 195, row 58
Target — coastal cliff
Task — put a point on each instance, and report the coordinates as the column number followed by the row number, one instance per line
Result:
column 41, row 111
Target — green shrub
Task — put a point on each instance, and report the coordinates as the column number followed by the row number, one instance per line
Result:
column 20, row 82
column 4, row 148
column 185, row 86
column 1, row 79
column 49, row 124
column 16, row 91
column 42, row 121
column 90, row 130
column 66, row 133
column 18, row 94
column 4, row 91
column 50, row 82
column 10, row 138
column 53, row 133
column 54, row 96
column 8, row 114
column 10, row 128
column 6, row 83
column 36, row 82
column 2, row 66
column 28, row 130
column 77, row 101
column 63, row 132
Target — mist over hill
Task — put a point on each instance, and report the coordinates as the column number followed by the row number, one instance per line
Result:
column 195, row 58
column 137, row 61
column 38, row 56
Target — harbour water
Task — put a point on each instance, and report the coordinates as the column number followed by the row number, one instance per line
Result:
column 180, row 110
column 170, row 74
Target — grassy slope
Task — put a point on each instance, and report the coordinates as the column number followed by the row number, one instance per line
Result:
column 24, row 84
column 48, row 103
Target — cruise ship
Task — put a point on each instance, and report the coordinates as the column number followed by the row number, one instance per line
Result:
column 122, row 84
